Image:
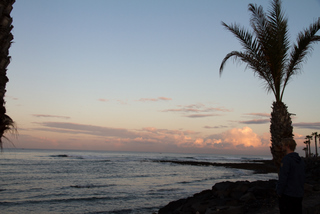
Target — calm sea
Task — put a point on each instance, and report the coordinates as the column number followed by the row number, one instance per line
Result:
column 52, row 181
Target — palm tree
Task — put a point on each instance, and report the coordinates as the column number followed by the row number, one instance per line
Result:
column 266, row 51
column 6, row 123
column 315, row 134
column 318, row 137
column 309, row 138
column 306, row 149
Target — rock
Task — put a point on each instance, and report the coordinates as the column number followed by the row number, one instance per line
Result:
column 203, row 194
column 225, row 197
column 172, row 207
column 257, row 197
column 222, row 190
column 199, row 207
column 225, row 210
column 242, row 186
column 249, row 196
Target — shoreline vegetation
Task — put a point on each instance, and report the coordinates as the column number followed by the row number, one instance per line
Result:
column 244, row 197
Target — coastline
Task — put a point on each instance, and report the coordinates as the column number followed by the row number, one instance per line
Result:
column 241, row 197
column 257, row 166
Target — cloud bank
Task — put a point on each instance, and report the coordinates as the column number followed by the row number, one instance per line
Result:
column 153, row 139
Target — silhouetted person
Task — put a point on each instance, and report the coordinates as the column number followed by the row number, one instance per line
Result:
column 290, row 187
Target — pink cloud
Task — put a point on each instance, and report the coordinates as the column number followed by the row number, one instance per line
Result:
column 236, row 138
column 103, row 100
column 259, row 114
column 168, row 131
column 231, row 140
column 182, row 110
column 154, row 99
column 198, row 110
column 164, row 98
column 48, row 115
column 201, row 115
column 147, row 99
column 215, row 127
column 122, row 102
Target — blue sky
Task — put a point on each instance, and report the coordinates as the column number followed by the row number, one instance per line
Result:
column 144, row 76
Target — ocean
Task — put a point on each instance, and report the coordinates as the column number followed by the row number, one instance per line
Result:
column 64, row 181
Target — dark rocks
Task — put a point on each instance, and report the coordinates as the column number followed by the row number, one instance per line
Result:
column 258, row 197
column 227, row 197
column 173, row 207
column 247, row 197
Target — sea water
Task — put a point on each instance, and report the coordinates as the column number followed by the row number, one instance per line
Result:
column 52, row 181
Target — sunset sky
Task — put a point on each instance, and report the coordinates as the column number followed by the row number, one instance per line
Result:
column 123, row 75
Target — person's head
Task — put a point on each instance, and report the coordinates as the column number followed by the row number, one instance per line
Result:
column 289, row 142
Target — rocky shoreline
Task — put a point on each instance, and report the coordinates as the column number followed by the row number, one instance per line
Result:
column 244, row 197
column 258, row 166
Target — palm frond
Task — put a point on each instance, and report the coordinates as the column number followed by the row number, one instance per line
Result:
column 301, row 50
column 276, row 45
column 259, row 24
column 254, row 64
column 253, row 54
column 244, row 36
column 7, row 126
column 249, row 43
column 258, row 21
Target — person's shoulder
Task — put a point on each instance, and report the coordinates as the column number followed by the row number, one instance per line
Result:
column 291, row 156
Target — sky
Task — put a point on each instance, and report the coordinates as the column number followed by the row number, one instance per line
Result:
column 144, row 76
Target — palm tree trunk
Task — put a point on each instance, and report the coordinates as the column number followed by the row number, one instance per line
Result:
column 6, row 37
column 305, row 151
column 281, row 127
column 318, row 136
column 315, row 141
column 309, row 142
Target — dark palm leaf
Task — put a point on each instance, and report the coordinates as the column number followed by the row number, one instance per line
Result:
column 7, row 125
column 301, row 50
